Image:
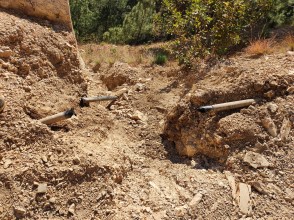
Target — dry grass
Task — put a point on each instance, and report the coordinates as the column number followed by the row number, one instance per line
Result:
column 101, row 55
column 260, row 47
column 288, row 42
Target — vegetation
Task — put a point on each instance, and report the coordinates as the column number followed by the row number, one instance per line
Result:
column 160, row 59
column 197, row 28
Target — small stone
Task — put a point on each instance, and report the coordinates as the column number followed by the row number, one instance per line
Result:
column 290, row 53
column 270, row 94
column 76, row 160
column 42, row 188
column 290, row 90
column 19, row 212
column 272, row 107
column 6, row 53
column 244, row 199
column 259, row 187
column 7, row 163
column 139, row 87
column 256, row 160
column 138, row 116
column 71, row 209
column 285, row 129
column 52, row 200
column 44, row 159
column 232, row 182
column 180, row 211
column 270, row 126
column 195, row 201
column 289, row 197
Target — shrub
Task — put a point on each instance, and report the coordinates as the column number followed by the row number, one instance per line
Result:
column 160, row 59
column 204, row 27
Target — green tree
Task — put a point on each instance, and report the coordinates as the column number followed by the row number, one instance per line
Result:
column 137, row 26
column 91, row 18
column 283, row 12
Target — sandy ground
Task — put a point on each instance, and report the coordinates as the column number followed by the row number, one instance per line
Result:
column 120, row 161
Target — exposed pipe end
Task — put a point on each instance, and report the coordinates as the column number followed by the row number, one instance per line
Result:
column 69, row 113
column 204, row 109
column 84, row 103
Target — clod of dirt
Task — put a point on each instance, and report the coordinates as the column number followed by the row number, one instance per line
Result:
column 119, row 74
column 217, row 134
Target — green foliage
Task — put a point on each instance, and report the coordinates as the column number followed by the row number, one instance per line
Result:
column 204, row 27
column 92, row 18
column 283, row 12
column 137, row 26
column 160, row 59
column 114, row 21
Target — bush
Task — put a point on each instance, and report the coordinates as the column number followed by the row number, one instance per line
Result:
column 204, row 27
column 160, row 59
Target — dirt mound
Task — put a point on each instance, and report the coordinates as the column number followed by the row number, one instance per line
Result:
column 40, row 76
column 218, row 134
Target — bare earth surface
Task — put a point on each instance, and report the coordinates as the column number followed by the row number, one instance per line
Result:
column 120, row 161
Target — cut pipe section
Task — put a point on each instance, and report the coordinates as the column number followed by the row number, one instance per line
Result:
column 227, row 105
column 58, row 117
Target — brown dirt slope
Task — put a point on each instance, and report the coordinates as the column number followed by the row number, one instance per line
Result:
column 119, row 161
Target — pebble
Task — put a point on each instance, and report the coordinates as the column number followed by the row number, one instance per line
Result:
column 76, row 160
column 7, row 163
column 256, row 160
column 42, row 188
column 52, row 200
column 71, row 209
column 19, row 212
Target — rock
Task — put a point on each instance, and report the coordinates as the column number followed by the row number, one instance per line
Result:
column 290, row 90
column 244, row 200
column 7, row 163
column 52, row 200
column 5, row 53
column 196, row 199
column 76, row 160
column 259, row 187
column 44, row 159
column 139, row 87
column 19, row 212
column 42, row 188
column 289, row 195
column 138, row 116
column 290, row 53
column 272, row 107
column 270, row 126
column 180, row 211
column 270, row 94
column 71, row 209
column 232, row 183
column 285, row 129
column 256, row 160
column 259, row 148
